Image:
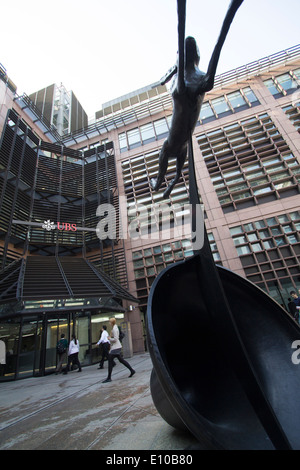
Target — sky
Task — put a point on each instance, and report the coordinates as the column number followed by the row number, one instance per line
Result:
column 103, row 49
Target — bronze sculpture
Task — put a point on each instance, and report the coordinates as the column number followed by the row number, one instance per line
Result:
column 188, row 90
column 235, row 386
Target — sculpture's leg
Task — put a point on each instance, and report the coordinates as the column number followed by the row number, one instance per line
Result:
column 179, row 165
column 162, row 167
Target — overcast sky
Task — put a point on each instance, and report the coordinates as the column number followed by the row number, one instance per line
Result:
column 102, row 49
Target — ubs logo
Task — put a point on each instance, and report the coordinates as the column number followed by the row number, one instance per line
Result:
column 66, row 226
column 47, row 225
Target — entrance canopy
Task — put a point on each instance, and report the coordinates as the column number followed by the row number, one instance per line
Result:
column 60, row 283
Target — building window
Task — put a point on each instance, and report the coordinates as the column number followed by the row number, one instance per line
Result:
column 283, row 84
column 133, row 137
column 147, row 133
column 250, row 95
column 206, row 111
column 220, row 105
column 123, row 142
column 236, row 99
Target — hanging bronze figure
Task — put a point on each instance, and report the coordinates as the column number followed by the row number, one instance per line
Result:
column 188, row 90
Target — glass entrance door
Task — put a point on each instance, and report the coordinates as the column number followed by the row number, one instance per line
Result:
column 56, row 325
column 38, row 368
column 29, row 348
column 82, row 332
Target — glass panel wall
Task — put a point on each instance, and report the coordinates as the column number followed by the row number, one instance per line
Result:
column 39, row 353
column 82, row 333
column 56, row 325
column 29, row 343
column 9, row 335
column 28, row 347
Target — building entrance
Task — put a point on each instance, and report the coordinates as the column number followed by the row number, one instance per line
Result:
column 30, row 341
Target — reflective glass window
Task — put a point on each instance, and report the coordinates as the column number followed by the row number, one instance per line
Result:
column 276, row 231
column 220, row 105
column 147, row 131
column 206, row 111
column 256, row 247
column 161, row 126
column 292, row 239
column 236, row 99
column 260, row 224
column 123, row 141
column 268, row 244
column 286, row 81
column 250, row 94
column 280, row 241
column 271, row 221
column 133, row 137
column 252, row 237
column 264, row 234
column 295, row 215
column 267, row 189
column 297, row 73
column 236, row 230
column 240, row 240
column 272, row 86
column 241, row 195
column 287, row 228
column 243, row 250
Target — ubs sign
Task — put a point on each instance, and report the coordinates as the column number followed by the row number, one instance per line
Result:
column 47, row 225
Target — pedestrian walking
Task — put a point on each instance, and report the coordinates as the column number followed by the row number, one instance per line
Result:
column 115, row 351
column 62, row 350
column 73, row 354
column 105, row 345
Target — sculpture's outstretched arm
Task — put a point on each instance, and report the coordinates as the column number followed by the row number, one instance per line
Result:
column 167, row 77
column 181, row 9
column 212, row 67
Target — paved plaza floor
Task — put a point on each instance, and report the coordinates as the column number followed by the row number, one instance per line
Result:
column 78, row 412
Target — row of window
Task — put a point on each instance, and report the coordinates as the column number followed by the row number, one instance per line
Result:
column 144, row 134
column 212, row 109
column 227, row 104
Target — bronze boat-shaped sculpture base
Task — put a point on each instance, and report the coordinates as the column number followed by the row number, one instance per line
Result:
column 195, row 383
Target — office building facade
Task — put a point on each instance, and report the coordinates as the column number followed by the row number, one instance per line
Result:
column 60, row 108
column 247, row 158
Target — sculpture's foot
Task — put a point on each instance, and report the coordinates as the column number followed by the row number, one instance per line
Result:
column 169, row 190
column 155, row 184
